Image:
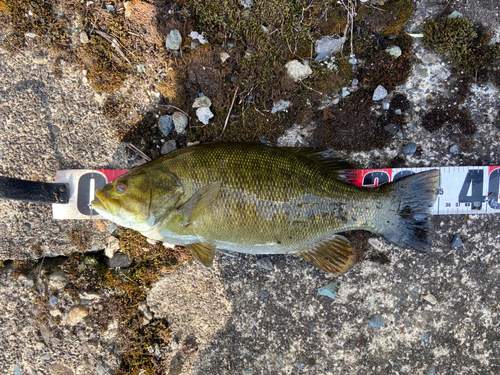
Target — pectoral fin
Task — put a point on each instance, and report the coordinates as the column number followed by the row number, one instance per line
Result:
column 199, row 202
column 334, row 255
column 203, row 252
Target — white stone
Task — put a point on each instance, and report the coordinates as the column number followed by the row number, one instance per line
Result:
column 297, row 71
column 430, row 298
column 379, row 93
column 224, row 56
column 204, row 115
column 112, row 246
column 281, row 105
column 174, row 40
column 57, row 280
column 199, row 37
column 328, row 45
column 246, row 3
column 180, row 122
column 394, row 51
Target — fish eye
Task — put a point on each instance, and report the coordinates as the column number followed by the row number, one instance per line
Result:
column 120, row 188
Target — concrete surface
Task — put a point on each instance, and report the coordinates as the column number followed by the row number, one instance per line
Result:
column 241, row 318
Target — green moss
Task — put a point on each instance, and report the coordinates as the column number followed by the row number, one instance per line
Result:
column 458, row 39
column 38, row 19
column 389, row 19
column 105, row 70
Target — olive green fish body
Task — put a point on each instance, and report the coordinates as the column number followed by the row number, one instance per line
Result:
column 265, row 200
column 271, row 200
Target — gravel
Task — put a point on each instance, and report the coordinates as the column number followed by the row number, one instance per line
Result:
column 379, row 93
column 166, row 125
column 168, row 147
column 410, row 149
column 376, row 321
column 297, row 70
column 120, row 260
column 174, row 40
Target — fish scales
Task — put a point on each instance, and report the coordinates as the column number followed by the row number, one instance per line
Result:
column 257, row 199
column 271, row 200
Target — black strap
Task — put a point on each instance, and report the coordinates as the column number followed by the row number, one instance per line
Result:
column 31, row 191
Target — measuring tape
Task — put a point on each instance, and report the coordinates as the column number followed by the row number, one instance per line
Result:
column 462, row 190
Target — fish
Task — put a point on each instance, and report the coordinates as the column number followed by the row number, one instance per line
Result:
column 258, row 199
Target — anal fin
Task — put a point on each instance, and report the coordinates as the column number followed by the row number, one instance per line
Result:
column 203, row 252
column 334, row 255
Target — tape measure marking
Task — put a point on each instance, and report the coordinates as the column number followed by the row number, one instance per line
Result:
column 462, row 190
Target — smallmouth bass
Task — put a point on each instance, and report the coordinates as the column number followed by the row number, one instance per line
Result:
column 256, row 199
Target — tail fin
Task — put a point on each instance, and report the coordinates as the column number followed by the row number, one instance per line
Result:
column 411, row 199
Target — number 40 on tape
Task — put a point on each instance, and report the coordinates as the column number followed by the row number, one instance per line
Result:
column 463, row 190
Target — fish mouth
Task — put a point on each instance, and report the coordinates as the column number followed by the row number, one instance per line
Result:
column 105, row 205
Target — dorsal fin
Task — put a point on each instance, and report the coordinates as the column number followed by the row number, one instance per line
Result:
column 322, row 156
column 334, row 255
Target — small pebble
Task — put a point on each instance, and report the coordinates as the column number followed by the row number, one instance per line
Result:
column 353, row 61
column 140, row 68
column 77, row 314
column 345, row 92
column 280, row 105
column 379, row 93
column 432, row 371
column 166, row 125
column 327, row 46
column 265, row 263
column 57, row 280
column 355, row 82
column 45, row 357
column 168, row 147
column 391, row 129
column 224, row 56
column 386, row 105
column 455, row 14
column 110, row 8
column 430, row 298
column 53, row 301
column 246, row 3
column 174, row 40
column 410, row 149
column 17, row 370
column 180, row 122
column 329, row 290
column 204, row 115
column 198, row 37
column 454, row 149
column 456, row 242
column 376, row 321
column 84, row 38
column 202, row 102
column 120, row 260
column 112, row 246
column 394, row 51
column 300, row 366
column 111, row 228
column 397, row 112
column 297, row 71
